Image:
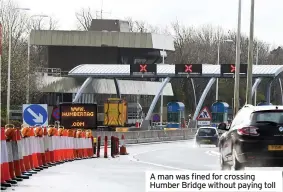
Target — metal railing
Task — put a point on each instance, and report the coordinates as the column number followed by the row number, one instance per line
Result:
column 55, row 72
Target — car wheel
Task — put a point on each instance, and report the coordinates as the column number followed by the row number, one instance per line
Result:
column 223, row 164
column 236, row 164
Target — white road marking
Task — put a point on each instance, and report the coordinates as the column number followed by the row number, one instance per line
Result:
column 132, row 158
column 213, row 153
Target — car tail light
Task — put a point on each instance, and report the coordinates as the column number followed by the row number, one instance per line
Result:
column 251, row 131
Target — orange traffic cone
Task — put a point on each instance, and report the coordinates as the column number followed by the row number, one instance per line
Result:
column 123, row 149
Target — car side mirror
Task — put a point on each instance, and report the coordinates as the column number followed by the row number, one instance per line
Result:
column 222, row 126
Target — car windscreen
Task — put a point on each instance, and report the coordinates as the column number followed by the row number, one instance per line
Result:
column 206, row 132
column 275, row 117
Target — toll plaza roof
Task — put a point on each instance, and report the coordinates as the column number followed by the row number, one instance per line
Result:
column 102, row 39
column 165, row 70
column 51, row 84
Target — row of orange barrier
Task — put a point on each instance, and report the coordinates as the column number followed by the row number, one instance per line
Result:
column 27, row 150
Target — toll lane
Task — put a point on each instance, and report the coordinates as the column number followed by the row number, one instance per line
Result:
column 180, row 155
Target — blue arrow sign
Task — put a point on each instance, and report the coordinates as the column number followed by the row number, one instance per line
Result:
column 35, row 114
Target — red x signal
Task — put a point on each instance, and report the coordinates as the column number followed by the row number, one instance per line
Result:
column 232, row 68
column 188, row 68
column 143, row 68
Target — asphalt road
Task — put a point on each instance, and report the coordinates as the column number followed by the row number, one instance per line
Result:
column 124, row 173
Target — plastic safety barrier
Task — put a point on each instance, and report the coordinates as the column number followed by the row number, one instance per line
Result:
column 28, row 150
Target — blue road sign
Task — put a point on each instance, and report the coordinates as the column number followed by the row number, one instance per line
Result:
column 35, row 114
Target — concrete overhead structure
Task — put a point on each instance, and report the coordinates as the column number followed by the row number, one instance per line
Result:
column 109, row 42
column 102, row 39
column 103, row 33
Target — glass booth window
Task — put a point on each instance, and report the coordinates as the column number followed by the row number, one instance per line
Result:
column 217, row 117
column 182, row 114
column 173, row 117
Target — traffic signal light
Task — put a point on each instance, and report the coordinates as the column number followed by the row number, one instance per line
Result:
column 188, row 68
column 143, row 68
column 231, row 68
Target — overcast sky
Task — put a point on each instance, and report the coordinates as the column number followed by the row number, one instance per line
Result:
column 268, row 13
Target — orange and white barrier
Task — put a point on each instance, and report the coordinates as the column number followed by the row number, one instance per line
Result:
column 38, row 133
column 60, row 144
column 70, row 145
column 50, row 144
column 27, row 150
column 78, row 148
column 20, row 143
column 18, row 168
column 6, row 179
column 10, row 138
column 46, row 148
column 33, row 146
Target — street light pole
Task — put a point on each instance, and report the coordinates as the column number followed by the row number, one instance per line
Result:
column 161, row 99
column 250, row 57
column 28, row 62
column 218, row 63
column 257, row 50
column 237, row 63
column 9, row 64
column 9, row 73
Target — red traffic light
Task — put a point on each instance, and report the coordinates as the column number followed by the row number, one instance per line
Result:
column 232, row 68
column 188, row 68
column 143, row 68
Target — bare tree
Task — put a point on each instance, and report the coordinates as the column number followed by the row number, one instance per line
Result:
column 199, row 45
column 18, row 22
column 43, row 23
column 144, row 27
column 84, row 18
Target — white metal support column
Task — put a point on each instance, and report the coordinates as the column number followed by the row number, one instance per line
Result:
column 203, row 96
column 145, row 123
column 82, row 88
column 255, row 85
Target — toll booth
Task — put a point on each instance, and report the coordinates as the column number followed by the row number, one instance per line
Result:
column 262, row 103
column 219, row 111
column 176, row 115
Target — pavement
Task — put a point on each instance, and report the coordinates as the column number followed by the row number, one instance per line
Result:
column 123, row 173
